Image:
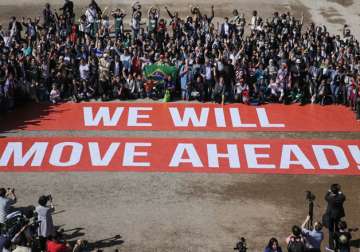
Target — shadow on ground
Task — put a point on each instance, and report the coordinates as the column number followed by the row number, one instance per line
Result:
column 26, row 115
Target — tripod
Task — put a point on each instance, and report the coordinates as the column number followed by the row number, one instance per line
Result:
column 311, row 214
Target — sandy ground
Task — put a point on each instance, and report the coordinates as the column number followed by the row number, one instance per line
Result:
column 187, row 212
column 180, row 212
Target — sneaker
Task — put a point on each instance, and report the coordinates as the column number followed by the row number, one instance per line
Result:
column 329, row 249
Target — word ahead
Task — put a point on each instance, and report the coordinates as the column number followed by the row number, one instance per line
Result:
column 180, row 155
column 173, row 116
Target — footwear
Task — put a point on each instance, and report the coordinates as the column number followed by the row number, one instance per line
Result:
column 329, row 249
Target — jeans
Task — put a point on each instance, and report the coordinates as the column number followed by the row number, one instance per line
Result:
column 134, row 36
column 185, row 94
column 334, row 92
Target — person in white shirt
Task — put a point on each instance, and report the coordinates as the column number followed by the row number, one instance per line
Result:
column 84, row 70
column 91, row 14
column 135, row 20
column 92, row 19
column 54, row 94
column 254, row 20
column 7, row 198
column 46, row 227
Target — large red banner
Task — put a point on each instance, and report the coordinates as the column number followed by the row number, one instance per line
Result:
column 183, row 116
column 285, row 156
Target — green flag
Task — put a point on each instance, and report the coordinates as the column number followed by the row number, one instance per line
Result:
column 159, row 72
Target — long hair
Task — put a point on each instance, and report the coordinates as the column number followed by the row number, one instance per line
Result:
column 272, row 241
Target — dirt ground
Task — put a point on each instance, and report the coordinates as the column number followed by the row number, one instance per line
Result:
column 187, row 212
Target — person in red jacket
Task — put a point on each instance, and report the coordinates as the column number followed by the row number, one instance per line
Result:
column 55, row 245
column 73, row 34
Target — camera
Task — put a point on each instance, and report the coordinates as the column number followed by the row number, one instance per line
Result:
column 335, row 188
column 310, row 196
column 10, row 189
column 48, row 197
column 241, row 245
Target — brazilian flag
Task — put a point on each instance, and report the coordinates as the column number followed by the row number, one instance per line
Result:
column 159, row 72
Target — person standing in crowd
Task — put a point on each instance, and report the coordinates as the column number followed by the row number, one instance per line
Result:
column 7, row 199
column 153, row 19
column 68, row 11
column 314, row 237
column 46, row 227
column 278, row 61
column 104, row 76
column 226, row 28
column 15, row 29
column 118, row 16
column 209, row 78
column 185, row 79
column 334, row 212
column 175, row 23
column 135, row 20
column 219, row 93
column 92, row 19
column 48, row 16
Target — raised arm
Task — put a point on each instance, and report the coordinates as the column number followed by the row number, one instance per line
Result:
column 134, row 6
column 305, row 222
column 212, row 13
column 169, row 13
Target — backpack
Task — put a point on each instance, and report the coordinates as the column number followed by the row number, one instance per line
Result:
column 296, row 245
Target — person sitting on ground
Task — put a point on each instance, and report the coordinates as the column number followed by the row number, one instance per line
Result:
column 313, row 237
column 273, row 246
column 54, row 244
column 81, row 246
column 55, row 94
column 219, row 91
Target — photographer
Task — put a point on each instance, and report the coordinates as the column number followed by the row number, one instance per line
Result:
column 46, row 227
column 295, row 242
column 7, row 198
column 334, row 211
column 342, row 238
column 241, row 245
column 314, row 237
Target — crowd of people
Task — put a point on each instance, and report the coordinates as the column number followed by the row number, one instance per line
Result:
column 61, row 57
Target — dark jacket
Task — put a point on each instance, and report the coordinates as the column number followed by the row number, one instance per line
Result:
column 222, row 30
column 335, row 208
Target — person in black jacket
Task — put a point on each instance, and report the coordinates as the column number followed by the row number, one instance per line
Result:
column 15, row 29
column 68, row 11
column 334, row 211
column 342, row 238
